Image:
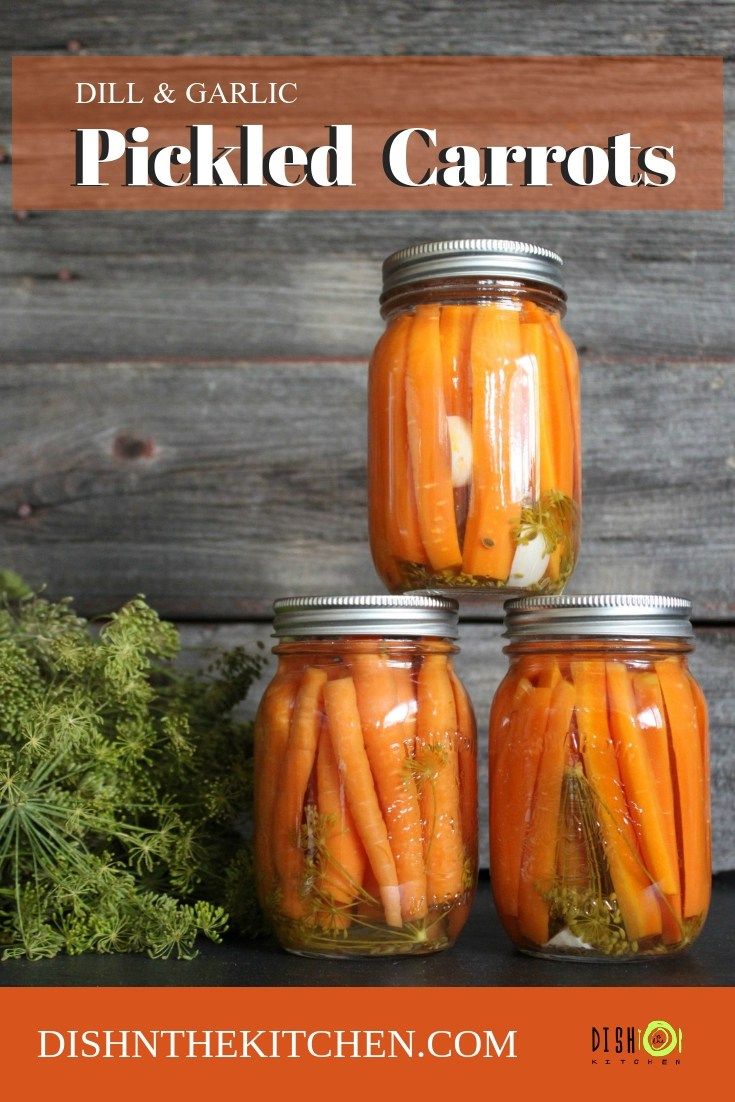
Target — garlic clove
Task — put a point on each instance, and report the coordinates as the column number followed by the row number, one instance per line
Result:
column 460, row 447
column 529, row 562
column 565, row 939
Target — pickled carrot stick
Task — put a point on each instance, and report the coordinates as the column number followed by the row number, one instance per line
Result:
column 639, row 783
column 343, row 865
column 346, row 734
column 381, row 715
column 455, row 329
column 467, row 752
column 681, row 713
column 437, row 758
column 428, row 441
column 534, row 346
column 700, row 703
column 557, row 406
column 386, row 542
column 511, row 798
column 504, row 720
column 635, row 894
column 496, row 346
column 294, row 778
column 652, row 721
column 571, row 364
column 389, row 517
column 271, row 738
column 550, row 675
column 407, row 707
column 538, row 864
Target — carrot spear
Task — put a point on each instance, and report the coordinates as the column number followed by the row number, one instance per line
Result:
column 347, row 740
column 382, row 717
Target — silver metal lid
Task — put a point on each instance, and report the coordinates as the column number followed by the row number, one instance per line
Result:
column 301, row 617
column 613, row 615
column 472, row 256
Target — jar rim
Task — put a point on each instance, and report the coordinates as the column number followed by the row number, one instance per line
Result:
column 599, row 615
column 472, row 256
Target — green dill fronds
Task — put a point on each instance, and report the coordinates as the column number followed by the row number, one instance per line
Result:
column 120, row 780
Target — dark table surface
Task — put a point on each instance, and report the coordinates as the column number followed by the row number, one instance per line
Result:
column 482, row 957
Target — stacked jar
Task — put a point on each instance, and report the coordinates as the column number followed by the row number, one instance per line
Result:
column 366, row 778
column 599, row 758
column 365, row 817
column 474, row 422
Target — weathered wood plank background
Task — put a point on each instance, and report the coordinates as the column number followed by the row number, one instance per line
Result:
column 182, row 406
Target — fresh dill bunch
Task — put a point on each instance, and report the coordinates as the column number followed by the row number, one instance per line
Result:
column 123, row 784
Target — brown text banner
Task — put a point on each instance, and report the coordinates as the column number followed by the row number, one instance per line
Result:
column 367, row 133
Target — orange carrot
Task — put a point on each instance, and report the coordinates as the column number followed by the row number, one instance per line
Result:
column 504, row 722
column 557, row 406
column 343, row 865
column 467, row 750
column 437, row 756
column 571, row 364
column 429, row 441
column 652, row 721
column 386, row 523
column 635, row 894
column 493, row 512
column 550, row 675
column 271, row 738
column 381, row 715
column 538, row 866
column 511, row 798
column 638, row 780
column 406, row 707
column 700, row 703
column 293, row 781
column 534, row 347
column 703, row 723
column 347, row 740
column 455, row 328
column 402, row 516
column 681, row 712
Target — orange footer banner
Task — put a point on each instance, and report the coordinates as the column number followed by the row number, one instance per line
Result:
column 429, row 1043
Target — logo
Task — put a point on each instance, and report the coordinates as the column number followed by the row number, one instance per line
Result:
column 657, row 1043
column 660, row 1038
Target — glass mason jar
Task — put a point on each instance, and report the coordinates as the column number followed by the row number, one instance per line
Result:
column 365, row 778
column 599, row 791
column 474, row 423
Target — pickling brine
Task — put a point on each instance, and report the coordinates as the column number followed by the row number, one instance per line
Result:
column 474, row 422
column 599, row 800
column 366, row 787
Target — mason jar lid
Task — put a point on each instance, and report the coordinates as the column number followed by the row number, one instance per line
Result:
column 301, row 617
column 472, row 256
column 609, row 615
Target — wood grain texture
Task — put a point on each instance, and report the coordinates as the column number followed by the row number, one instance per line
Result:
column 235, row 285
column 307, row 285
column 214, row 488
column 382, row 26
column 482, row 664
